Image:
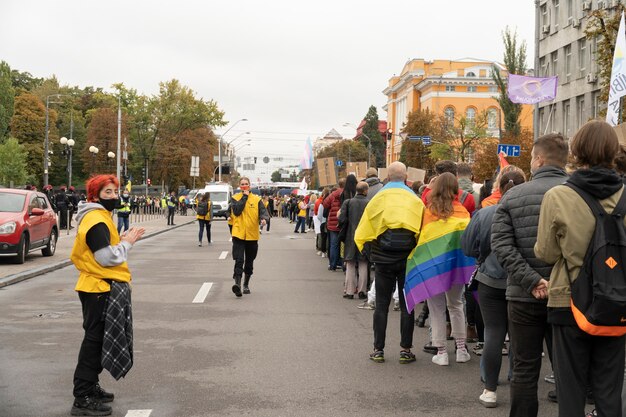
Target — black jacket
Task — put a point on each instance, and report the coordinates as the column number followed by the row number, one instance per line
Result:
column 351, row 213
column 514, row 233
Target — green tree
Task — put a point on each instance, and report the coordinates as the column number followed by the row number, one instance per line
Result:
column 7, row 98
column 276, row 176
column 515, row 63
column 602, row 26
column 422, row 123
column 13, row 158
column 370, row 130
column 466, row 134
column 346, row 151
column 24, row 82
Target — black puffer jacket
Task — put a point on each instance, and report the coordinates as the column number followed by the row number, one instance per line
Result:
column 514, row 233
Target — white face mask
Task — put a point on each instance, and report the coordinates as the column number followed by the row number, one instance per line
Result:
column 125, row 195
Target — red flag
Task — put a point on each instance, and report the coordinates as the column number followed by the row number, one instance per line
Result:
column 502, row 159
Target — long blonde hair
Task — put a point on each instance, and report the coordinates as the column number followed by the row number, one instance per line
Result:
column 442, row 196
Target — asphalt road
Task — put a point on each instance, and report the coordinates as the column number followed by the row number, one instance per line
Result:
column 294, row 347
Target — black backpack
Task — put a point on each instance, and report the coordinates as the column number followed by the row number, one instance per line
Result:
column 203, row 208
column 599, row 293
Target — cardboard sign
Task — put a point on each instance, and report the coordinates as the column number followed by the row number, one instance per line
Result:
column 382, row 174
column 326, row 172
column 621, row 133
column 357, row 168
column 415, row 174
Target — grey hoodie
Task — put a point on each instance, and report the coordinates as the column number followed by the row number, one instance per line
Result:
column 111, row 255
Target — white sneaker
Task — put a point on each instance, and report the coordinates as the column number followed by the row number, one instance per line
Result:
column 462, row 355
column 323, row 255
column 319, row 253
column 441, row 359
column 489, row 399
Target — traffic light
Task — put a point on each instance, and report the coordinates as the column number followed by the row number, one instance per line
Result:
column 148, row 181
column 255, row 159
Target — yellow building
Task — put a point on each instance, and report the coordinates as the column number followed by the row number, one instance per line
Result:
column 450, row 88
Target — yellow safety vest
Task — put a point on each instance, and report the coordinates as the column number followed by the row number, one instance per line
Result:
column 207, row 216
column 125, row 207
column 92, row 274
column 246, row 225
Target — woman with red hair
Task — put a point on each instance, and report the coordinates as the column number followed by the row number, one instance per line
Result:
column 100, row 255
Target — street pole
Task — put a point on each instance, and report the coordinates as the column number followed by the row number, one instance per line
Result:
column 219, row 145
column 45, row 146
column 69, row 179
column 119, row 137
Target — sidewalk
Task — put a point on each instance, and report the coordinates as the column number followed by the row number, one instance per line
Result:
column 37, row 264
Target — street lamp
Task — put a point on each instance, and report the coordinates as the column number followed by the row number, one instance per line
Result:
column 369, row 142
column 94, row 152
column 111, row 155
column 238, row 136
column 67, row 151
column 46, row 144
column 219, row 175
column 241, row 145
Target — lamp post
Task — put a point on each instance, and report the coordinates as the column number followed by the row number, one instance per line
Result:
column 46, row 143
column 219, row 146
column 369, row 142
column 67, row 151
column 94, row 152
column 111, row 155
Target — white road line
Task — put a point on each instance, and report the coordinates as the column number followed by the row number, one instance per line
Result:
column 203, row 292
column 138, row 413
column 223, row 254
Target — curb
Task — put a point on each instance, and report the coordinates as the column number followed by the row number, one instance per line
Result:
column 31, row 273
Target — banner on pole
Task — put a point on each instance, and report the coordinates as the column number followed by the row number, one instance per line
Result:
column 618, row 76
column 531, row 90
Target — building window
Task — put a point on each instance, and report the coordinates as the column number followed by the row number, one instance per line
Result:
column 544, row 15
column 470, row 115
column 493, row 88
column 470, row 74
column 568, row 62
column 492, row 119
column 450, row 88
column 400, row 114
column 556, row 5
column 594, row 105
column 543, row 65
column 580, row 107
column 582, row 56
column 449, row 115
column 554, row 57
column 566, row 119
column 471, row 89
column 569, row 8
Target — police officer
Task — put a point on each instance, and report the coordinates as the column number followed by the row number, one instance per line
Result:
column 123, row 212
column 171, row 208
column 62, row 203
column 72, row 204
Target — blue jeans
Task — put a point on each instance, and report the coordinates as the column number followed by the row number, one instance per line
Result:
column 301, row 223
column 122, row 222
column 333, row 257
column 204, row 224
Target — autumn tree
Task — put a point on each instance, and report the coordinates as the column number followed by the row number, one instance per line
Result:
column 422, row 123
column 515, row 63
column 13, row 159
column 7, row 98
column 466, row 133
column 102, row 133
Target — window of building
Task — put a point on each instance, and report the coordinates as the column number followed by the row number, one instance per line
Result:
column 582, row 56
column 569, row 9
column 556, row 6
column 594, row 105
column 471, row 89
column 400, row 113
column 449, row 114
column 554, row 57
column 566, row 119
column 543, row 65
column 568, row 62
column 492, row 118
column 542, row 117
column 470, row 115
column 493, row 88
column 580, row 108
column 450, row 88
column 470, row 74
column 544, row 15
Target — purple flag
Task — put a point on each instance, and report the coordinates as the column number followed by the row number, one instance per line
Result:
column 531, row 90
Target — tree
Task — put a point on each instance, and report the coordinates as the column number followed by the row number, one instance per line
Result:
column 515, row 63
column 13, row 158
column 102, row 133
column 422, row 123
column 276, row 176
column 7, row 97
column 24, row 82
column 602, row 26
column 466, row 133
column 370, row 130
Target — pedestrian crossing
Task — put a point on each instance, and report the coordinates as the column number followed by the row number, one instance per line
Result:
column 138, row 413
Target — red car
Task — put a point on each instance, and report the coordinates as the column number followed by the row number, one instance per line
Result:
column 27, row 222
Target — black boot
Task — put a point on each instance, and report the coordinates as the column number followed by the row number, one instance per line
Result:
column 237, row 287
column 90, row 406
column 102, row 395
column 246, row 281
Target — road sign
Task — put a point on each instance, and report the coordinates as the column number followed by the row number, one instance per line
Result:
column 415, row 138
column 339, row 163
column 266, row 159
column 426, row 140
column 510, row 150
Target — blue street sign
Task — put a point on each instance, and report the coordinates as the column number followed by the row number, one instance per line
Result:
column 426, row 140
column 339, row 163
column 415, row 138
column 510, row 150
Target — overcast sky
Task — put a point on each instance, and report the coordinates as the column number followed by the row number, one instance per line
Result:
column 294, row 69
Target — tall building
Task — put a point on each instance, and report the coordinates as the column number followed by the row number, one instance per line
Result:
column 449, row 88
column 330, row 138
column 563, row 50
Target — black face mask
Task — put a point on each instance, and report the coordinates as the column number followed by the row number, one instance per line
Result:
column 109, row 204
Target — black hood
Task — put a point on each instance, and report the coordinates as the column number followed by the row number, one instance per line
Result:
column 598, row 181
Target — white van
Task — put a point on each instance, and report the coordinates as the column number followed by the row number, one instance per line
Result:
column 220, row 194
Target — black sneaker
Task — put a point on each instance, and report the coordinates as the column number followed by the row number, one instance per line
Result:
column 429, row 348
column 102, row 395
column 237, row 290
column 90, row 406
column 362, row 295
column 378, row 356
column 406, row 356
column 246, row 290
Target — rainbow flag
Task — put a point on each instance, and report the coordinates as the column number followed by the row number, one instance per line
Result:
column 437, row 262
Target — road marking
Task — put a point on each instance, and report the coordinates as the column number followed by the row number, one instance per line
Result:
column 223, row 254
column 203, row 292
column 138, row 413
column 230, row 239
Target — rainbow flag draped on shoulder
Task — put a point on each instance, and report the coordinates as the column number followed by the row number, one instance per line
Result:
column 438, row 262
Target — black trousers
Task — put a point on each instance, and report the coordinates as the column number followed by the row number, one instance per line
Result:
column 204, row 224
column 493, row 308
column 62, row 217
column 386, row 277
column 89, row 358
column 170, row 215
column 580, row 359
column 528, row 327
column 244, row 254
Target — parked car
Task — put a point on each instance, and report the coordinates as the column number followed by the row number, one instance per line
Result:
column 27, row 222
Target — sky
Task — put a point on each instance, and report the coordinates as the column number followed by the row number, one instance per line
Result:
column 294, row 69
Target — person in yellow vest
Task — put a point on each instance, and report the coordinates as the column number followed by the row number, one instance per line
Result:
column 100, row 255
column 204, row 216
column 123, row 212
column 171, row 208
column 247, row 211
